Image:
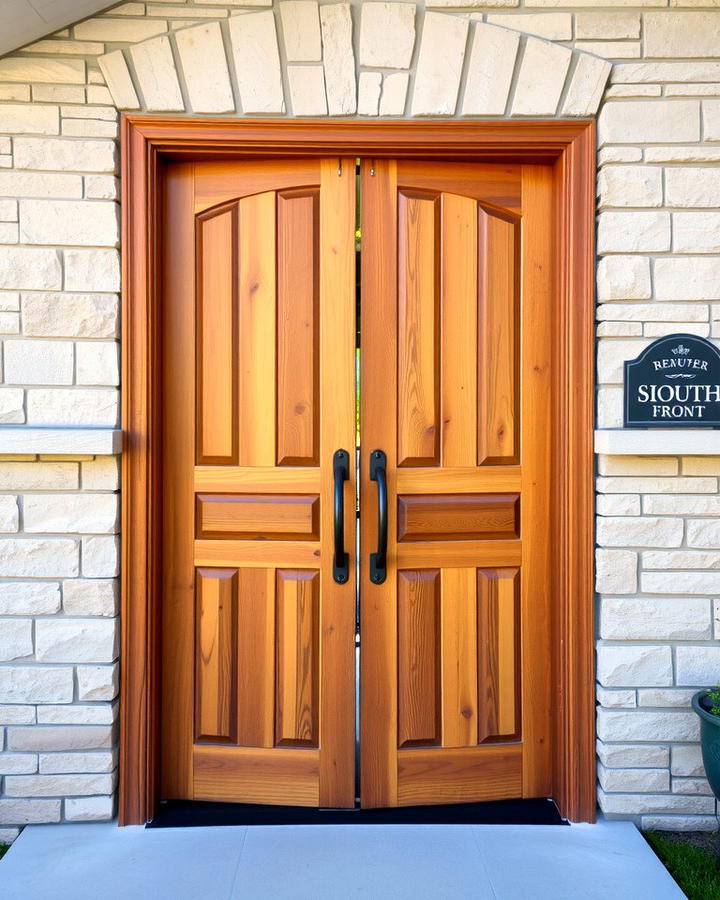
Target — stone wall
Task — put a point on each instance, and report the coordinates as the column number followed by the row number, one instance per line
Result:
column 658, row 240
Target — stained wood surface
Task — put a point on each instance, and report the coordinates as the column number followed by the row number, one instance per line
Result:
column 439, row 517
column 254, row 516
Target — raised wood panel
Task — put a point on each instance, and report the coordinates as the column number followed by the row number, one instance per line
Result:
column 256, row 657
column 498, row 186
column 458, row 626
column 499, row 668
column 418, row 329
column 298, row 387
column 418, row 657
column 464, row 775
column 257, row 517
column 453, row 554
column 258, row 479
column 257, row 349
column 459, row 330
column 443, row 517
column 216, row 180
column 216, row 655
column 283, row 777
column 498, row 340
column 297, row 690
column 217, row 432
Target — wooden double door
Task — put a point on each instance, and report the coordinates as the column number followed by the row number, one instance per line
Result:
column 278, row 312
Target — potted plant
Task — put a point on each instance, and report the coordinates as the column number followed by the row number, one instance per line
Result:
column 706, row 704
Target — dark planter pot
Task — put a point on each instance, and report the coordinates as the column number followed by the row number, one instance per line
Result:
column 709, row 740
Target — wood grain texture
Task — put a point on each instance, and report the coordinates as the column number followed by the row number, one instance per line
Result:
column 453, row 554
column 258, row 516
column 256, row 657
column 499, row 663
column 505, row 479
column 298, row 384
column 216, row 656
column 498, row 340
column 257, row 479
column 418, row 402
column 458, row 627
column 297, row 655
column 465, row 517
column 418, row 602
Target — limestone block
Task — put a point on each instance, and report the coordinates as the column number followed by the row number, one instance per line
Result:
column 636, row 756
column 36, row 684
column 696, row 786
column 643, row 725
column 301, row 30
column 680, row 559
column 38, row 558
column 701, row 465
column 156, row 74
column 101, row 474
column 615, row 699
column 638, row 804
column 100, row 557
column 9, row 516
column 680, row 583
column 76, row 640
column 89, row 128
column 92, row 270
column 63, row 155
column 678, row 823
column 630, row 186
column 12, row 405
column 439, row 66
column 686, row 760
column 61, row 737
column 202, row 56
column 655, row 618
column 607, row 25
column 15, row 639
column 611, row 49
column 338, row 58
column 654, row 312
column 387, row 34
column 683, row 506
column 257, row 62
column 652, row 485
column 68, row 763
column 58, row 93
column 69, row 315
column 18, row 763
column 83, row 406
column 77, row 714
column 617, row 504
column 36, row 69
column 19, row 118
column 711, row 118
column 634, row 665
column 616, row 571
column 369, row 88
column 14, row 714
column 40, row 184
column 91, row 598
column 665, row 697
column 637, row 465
column 307, row 90
column 696, row 232
column 98, row 682
column 394, row 94
column 118, row 31
column 541, row 79
column 30, row 268
column 703, row 533
column 624, row 780
column 687, row 186
column 684, row 34
column 98, row 94
column 609, row 407
column 28, row 812
column 586, row 86
column 84, row 513
column 611, row 356
column 38, row 362
column 117, row 75
column 490, row 70
column 649, row 121
column 57, row 785
column 552, row 26
column 678, row 278
column 29, row 598
column 89, row 809
column 97, row 363
column 697, row 666
column 634, row 232
column 102, row 187
column 22, row 476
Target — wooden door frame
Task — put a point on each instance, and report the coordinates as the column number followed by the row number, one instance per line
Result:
column 148, row 141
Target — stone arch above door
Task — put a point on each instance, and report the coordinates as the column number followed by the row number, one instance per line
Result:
column 300, row 59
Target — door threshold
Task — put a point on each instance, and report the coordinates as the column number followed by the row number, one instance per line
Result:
column 199, row 813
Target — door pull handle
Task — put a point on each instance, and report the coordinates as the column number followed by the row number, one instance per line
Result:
column 341, row 473
column 378, row 561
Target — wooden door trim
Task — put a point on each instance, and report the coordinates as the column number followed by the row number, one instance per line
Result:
column 148, row 141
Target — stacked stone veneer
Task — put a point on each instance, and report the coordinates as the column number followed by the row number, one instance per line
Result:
column 659, row 236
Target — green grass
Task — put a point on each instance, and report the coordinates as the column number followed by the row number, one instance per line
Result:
column 694, row 869
column 4, row 849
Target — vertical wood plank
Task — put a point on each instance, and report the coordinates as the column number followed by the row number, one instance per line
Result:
column 297, row 323
column 498, row 340
column 256, row 658
column 498, row 654
column 215, row 672
column 217, row 338
column 418, row 329
column 458, row 626
column 337, row 431
column 459, row 330
column 418, row 657
column 297, row 651
column 256, row 298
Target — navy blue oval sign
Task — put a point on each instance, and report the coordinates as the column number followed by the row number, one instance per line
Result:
column 674, row 382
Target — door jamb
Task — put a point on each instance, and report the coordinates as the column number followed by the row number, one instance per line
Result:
column 569, row 146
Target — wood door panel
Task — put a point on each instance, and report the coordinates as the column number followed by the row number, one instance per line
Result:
column 216, row 655
column 496, row 186
column 499, row 642
column 442, row 517
column 258, row 516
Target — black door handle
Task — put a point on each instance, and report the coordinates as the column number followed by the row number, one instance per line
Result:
column 341, row 473
column 378, row 561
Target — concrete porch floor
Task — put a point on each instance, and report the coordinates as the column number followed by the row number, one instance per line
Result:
column 87, row 862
